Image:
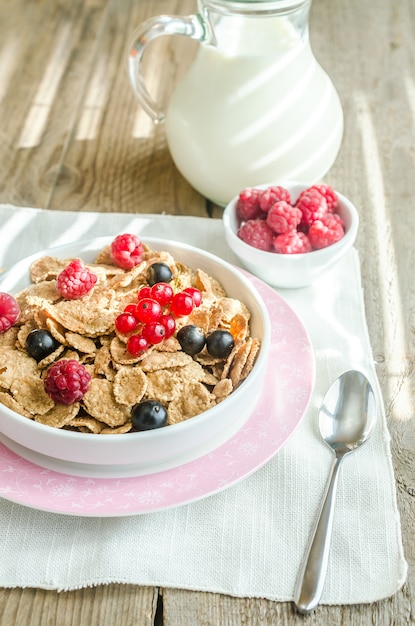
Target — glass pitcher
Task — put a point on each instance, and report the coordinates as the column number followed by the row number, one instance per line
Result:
column 255, row 107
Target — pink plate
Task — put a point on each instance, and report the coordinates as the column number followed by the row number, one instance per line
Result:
column 285, row 397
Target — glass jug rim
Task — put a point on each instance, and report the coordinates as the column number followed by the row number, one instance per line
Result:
column 258, row 4
column 254, row 7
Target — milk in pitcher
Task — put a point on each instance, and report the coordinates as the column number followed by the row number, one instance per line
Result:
column 255, row 107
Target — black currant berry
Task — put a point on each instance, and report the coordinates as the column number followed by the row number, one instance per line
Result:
column 40, row 343
column 159, row 273
column 148, row 415
column 191, row 338
column 220, row 343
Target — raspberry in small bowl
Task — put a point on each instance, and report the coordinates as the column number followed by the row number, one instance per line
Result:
column 292, row 233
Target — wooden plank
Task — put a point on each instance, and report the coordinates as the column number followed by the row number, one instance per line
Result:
column 46, row 50
column 118, row 160
column 187, row 607
column 370, row 56
column 98, row 606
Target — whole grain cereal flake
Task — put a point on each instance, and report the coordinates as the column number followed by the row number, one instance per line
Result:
column 85, row 331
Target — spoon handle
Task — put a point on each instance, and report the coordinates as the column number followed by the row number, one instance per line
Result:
column 312, row 576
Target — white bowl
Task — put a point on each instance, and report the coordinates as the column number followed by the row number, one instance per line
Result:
column 291, row 270
column 138, row 453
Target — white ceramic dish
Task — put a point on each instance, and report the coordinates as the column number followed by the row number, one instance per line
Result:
column 160, row 449
column 291, row 270
column 281, row 406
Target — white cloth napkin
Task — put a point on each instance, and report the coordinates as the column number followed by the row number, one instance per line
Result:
column 249, row 539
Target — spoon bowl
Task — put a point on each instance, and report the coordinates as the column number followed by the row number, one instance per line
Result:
column 348, row 414
column 347, row 419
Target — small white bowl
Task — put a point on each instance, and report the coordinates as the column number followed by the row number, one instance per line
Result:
column 290, row 270
column 139, row 453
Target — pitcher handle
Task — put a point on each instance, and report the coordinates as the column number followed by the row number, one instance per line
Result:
column 190, row 26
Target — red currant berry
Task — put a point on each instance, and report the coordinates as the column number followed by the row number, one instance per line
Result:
column 154, row 332
column 148, row 310
column 196, row 295
column 131, row 308
column 162, row 292
column 182, row 304
column 169, row 324
column 125, row 323
column 137, row 345
column 145, row 292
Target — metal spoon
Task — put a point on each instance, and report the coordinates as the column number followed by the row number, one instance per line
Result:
column 347, row 418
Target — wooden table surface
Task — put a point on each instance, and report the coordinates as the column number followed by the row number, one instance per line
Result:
column 74, row 138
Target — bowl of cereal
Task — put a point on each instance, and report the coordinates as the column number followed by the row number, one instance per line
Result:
column 290, row 234
column 127, row 357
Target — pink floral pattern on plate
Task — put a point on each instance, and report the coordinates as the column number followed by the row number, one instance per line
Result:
column 284, row 400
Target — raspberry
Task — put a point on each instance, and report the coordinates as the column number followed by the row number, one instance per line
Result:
column 293, row 242
column 256, row 233
column 67, row 381
column 271, row 195
column 312, row 205
column 126, row 251
column 247, row 207
column 282, row 217
column 75, row 280
column 9, row 311
column 326, row 231
column 329, row 194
